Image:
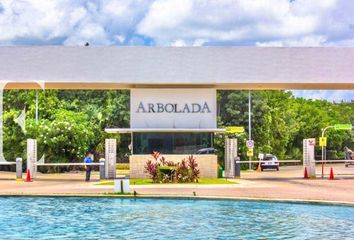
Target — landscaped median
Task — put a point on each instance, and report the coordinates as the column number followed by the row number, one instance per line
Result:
column 143, row 181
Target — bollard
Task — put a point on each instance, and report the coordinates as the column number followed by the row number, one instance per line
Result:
column 102, row 169
column 237, row 167
column 121, row 185
column 126, row 185
column 118, row 185
column 19, row 169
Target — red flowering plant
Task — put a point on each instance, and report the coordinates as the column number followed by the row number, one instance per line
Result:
column 161, row 170
column 182, row 172
column 152, row 166
column 187, row 170
column 193, row 169
column 152, row 169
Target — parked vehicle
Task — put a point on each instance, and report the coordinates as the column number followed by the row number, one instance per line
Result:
column 349, row 155
column 270, row 161
column 206, row 151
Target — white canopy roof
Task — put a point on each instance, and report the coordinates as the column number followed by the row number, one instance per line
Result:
column 218, row 67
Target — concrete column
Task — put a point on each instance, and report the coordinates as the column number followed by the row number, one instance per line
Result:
column 32, row 157
column 19, row 169
column 111, row 158
column 309, row 156
column 102, row 168
column 230, row 156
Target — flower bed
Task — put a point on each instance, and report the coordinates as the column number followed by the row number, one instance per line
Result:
column 163, row 171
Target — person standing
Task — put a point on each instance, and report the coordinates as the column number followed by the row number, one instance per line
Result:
column 88, row 168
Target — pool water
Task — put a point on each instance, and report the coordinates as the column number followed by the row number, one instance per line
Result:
column 116, row 218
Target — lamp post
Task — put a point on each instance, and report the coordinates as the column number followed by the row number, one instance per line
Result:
column 37, row 106
column 324, row 148
column 249, row 126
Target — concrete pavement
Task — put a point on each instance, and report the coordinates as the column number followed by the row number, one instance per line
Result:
column 287, row 184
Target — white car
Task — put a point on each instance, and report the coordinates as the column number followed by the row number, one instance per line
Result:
column 270, row 161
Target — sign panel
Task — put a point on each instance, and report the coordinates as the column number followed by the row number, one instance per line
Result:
column 250, row 152
column 323, row 141
column 343, row 126
column 311, row 142
column 234, row 129
column 173, row 108
column 250, row 143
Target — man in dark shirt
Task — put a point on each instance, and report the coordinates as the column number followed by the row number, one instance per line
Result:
column 88, row 159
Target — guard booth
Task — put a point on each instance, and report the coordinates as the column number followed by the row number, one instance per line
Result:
column 175, row 122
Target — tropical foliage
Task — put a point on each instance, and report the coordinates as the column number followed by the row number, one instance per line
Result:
column 73, row 122
column 70, row 122
column 280, row 122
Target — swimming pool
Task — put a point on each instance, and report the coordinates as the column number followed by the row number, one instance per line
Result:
column 146, row 218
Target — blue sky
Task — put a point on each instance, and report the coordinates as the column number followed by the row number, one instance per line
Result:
column 182, row 23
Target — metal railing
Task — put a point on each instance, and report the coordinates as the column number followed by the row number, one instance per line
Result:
column 334, row 161
column 7, row 163
column 68, row 164
column 280, row 161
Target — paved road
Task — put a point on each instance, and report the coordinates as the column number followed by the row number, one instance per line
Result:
column 285, row 184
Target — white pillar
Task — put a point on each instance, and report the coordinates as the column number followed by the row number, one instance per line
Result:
column 2, row 86
column 309, row 156
column 32, row 156
column 230, row 155
column 111, row 158
column 18, row 169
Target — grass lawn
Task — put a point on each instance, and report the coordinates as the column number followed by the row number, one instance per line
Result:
column 141, row 181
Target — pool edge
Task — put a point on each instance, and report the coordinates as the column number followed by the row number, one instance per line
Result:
column 191, row 197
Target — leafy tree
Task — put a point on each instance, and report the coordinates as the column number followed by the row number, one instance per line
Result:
column 73, row 122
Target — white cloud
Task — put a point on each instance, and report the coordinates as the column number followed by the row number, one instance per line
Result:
column 199, row 42
column 75, row 22
column 76, row 15
column 179, row 43
column 165, row 15
column 329, row 95
column 165, row 22
column 120, row 38
column 279, row 22
column 308, row 41
column 92, row 32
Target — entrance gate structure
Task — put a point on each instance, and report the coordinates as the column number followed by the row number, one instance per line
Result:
column 230, row 157
column 219, row 68
column 111, row 158
column 309, row 162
